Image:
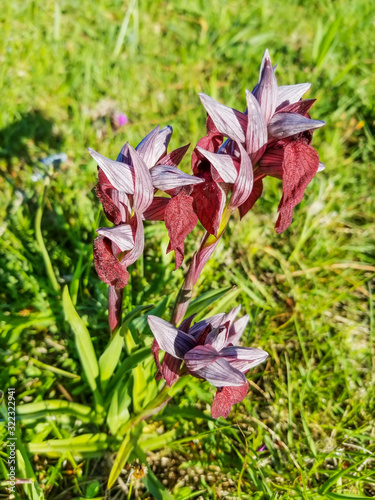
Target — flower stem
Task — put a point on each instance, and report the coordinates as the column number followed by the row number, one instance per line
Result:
column 115, row 297
column 200, row 258
column 40, row 241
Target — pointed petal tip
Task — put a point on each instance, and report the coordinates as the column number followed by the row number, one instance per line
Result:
column 317, row 124
column 321, row 167
column 150, row 319
column 204, row 97
column 94, row 154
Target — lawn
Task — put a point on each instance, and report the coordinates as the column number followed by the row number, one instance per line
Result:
column 306, row 430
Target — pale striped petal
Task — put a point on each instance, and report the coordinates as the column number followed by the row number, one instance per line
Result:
column 122, row 235
column 146, row 148
column 214, row 321
column 218, row 338
column 143, row 188
column 199, row 357
column 288, row 94
column 237, row 329
column 266, row 90
column 118, row 174
column 166, row 177
column 288, row 124
column 244, row 182
column 222, row 163
column 243, row 358
column 170, row 339
column 221, row 374
column 228, row 121
column 256, row 134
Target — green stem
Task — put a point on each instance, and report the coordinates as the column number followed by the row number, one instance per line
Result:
column 186, row 291
column 40, row 241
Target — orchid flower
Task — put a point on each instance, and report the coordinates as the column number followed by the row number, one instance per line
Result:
column 272, row 137
column 127, row 190
column 209, row 350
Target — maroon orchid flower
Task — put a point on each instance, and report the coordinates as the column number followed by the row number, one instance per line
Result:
column 127, row 190
column 209, row 350
column 273, row 137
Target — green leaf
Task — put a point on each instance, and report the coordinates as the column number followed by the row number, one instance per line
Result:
column 139, row 326
column 134, row 314
column 186, row 493
column 341, row 496
column 84, row 346
column 128, row 364
column 206, row 299
column 109, row 359
column 25, row 471
column 120, row 460
column 157, row 441
column 56, row 406
column 127, row 446
column 223, row 304
column 187, row 412
column 93, row 489
column 91, row 444
column 118, row 412
column 54, row 369
column 333, row 480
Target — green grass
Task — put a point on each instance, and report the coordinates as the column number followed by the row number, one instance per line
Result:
column 309, row 292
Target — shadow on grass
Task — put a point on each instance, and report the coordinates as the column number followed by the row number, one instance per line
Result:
column 20, row 137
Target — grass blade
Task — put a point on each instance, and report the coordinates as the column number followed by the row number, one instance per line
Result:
column 206, row 299
column 84, row 347
column 77, row 445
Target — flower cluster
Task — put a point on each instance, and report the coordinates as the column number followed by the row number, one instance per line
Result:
column 272, row 137
column 127, row 189
column 209, row 350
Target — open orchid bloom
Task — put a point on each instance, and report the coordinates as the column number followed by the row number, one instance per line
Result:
column 272, row 137
column 209, row 350
column 127, row 190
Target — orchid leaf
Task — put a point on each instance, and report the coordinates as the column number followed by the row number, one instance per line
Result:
column 139, row 326
column 201, row 303
column 128, row 364
column 140, row 388
column 118, row 412
column 84, row 346
column 186, row 493
column 109, row 359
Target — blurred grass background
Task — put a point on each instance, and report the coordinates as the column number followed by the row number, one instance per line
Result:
column 66, row 69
